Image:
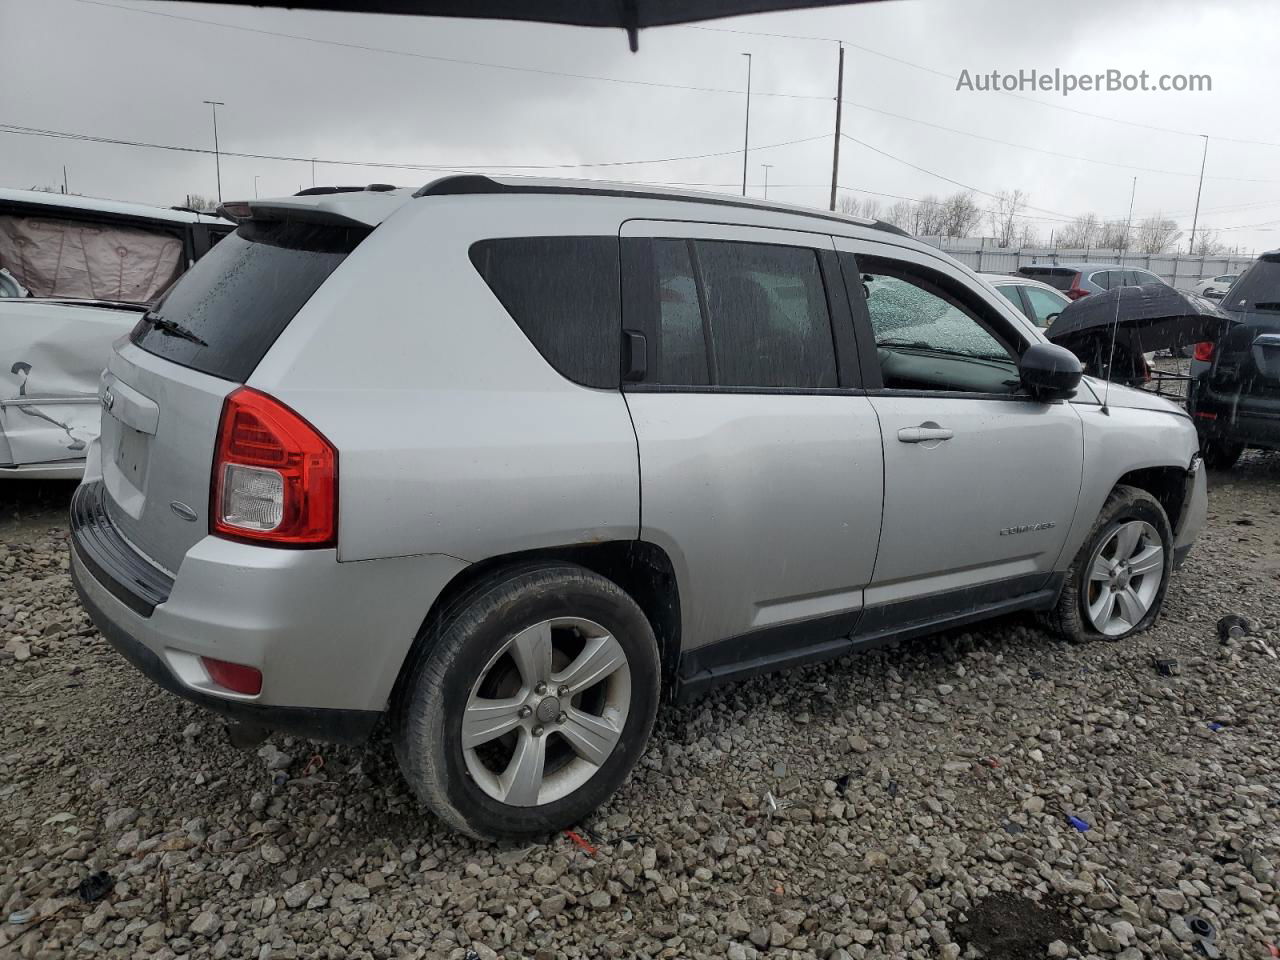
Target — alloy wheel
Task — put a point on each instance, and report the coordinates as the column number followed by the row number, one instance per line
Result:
column 1124, row 577
column 546, row 712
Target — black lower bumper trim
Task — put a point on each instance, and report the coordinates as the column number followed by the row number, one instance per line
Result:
column 112, row 560
column 314, row 723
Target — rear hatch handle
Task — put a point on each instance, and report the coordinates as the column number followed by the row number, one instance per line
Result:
column 127, row 405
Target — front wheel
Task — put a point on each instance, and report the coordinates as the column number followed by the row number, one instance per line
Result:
column 528, row 703
column 1117, row 584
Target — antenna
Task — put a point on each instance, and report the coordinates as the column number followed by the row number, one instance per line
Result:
column 1111, row 354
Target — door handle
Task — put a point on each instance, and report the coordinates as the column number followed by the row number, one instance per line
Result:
column 925, row 433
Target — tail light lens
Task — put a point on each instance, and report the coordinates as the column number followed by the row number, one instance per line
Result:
column 1204, row 351
column 1074, row 292
column 275, row 477
column 235, row 677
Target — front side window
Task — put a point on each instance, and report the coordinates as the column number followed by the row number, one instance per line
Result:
column 1010, row 292
column 1106, row 278
column 928, row 337
column 731, row 314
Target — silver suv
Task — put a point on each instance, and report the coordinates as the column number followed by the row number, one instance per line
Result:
column 509, row 461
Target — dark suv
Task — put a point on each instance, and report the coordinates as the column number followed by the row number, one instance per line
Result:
column 1235, row 397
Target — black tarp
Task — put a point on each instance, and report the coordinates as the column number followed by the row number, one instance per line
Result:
column 629, row 15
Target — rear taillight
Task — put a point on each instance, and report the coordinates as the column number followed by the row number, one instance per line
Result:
column 1074, row 292
column 1204, row 351
column 275, row 477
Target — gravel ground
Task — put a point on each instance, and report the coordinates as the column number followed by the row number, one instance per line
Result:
column 924, row 794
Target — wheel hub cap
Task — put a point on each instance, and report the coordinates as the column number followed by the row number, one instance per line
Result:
column 1124, row 577
column 547, row 710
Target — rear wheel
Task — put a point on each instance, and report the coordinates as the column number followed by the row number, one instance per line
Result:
column 529, row 702
column 1117, row 583
column 1220, row 454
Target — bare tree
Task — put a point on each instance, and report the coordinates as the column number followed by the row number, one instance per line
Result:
column 960, row 214
column 1156, row 234
column 1027, row 235
column 1083, row 231
column 901, row 215
column 929, row 217
column 853, row 207
column 1208, row 243
column 1115, row 235
column 198, row 201
column 1004, row 213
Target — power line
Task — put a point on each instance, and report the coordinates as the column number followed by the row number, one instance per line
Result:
column 377, row 164
column 1051, row 153
column 457, row 61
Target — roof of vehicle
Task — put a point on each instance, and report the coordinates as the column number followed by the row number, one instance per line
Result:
column 372, row 204
column 1082, row 267
column 118, row 208
column 994, row 278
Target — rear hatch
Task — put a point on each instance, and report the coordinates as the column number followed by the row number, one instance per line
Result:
column 163, row 390
column 1247, row 359
column 1057, row 277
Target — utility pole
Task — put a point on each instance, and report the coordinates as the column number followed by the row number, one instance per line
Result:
column 835, row 158
column 217, row 157
column 1196, row 216
column 766, row 167
column 313, row 171
column 255, row 185
column 64, row 179
column 746, row 127
column 1129, row 223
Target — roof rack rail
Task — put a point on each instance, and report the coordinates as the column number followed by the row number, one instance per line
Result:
column 476, row 183
column 320, row 191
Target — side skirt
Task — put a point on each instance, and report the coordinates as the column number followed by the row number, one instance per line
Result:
column 812, row 641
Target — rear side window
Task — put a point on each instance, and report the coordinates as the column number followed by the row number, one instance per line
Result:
column 730, row 314
column 1258, row 288
column 563, row 292
column 223, row 314
column 1058, row 279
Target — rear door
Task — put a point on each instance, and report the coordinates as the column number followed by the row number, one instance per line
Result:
column 163, row 391
column 1247, row 359
column 760, row 458
column 981, row 481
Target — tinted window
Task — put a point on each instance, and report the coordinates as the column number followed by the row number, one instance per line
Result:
column 730, row 314
column 768, row 315
column 240, row 296
column 1058, row 279
column 1105, row 278
column 927, row 336
column 1257, row 289
column 563, row 292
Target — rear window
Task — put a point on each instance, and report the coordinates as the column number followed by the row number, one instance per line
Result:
column 1056, row 277
column 563, row 292
column 223, row 314
column 1257, row 289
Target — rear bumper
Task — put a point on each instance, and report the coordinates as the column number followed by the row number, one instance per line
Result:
column 329, row 637
column 1249, row 419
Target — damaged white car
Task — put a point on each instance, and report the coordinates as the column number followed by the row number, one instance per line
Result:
column 75, row 274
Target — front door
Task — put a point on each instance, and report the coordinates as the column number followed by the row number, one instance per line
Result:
column 981, row 481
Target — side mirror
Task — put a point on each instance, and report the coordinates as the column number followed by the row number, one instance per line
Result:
column 1050, row 372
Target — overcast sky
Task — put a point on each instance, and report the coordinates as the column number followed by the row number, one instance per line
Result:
column 104, row 69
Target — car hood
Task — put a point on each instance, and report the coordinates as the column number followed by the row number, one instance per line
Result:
column 1131, row 398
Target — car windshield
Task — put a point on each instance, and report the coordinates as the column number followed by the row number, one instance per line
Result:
column 1257, row 289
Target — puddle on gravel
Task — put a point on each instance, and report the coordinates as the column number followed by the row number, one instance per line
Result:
column 1006, row 926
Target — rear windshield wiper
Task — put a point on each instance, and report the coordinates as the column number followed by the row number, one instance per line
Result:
column 173, row 328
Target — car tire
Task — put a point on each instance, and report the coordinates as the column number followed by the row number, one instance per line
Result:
column 1081, row 613
column 1220, row 454
column 495, row 770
